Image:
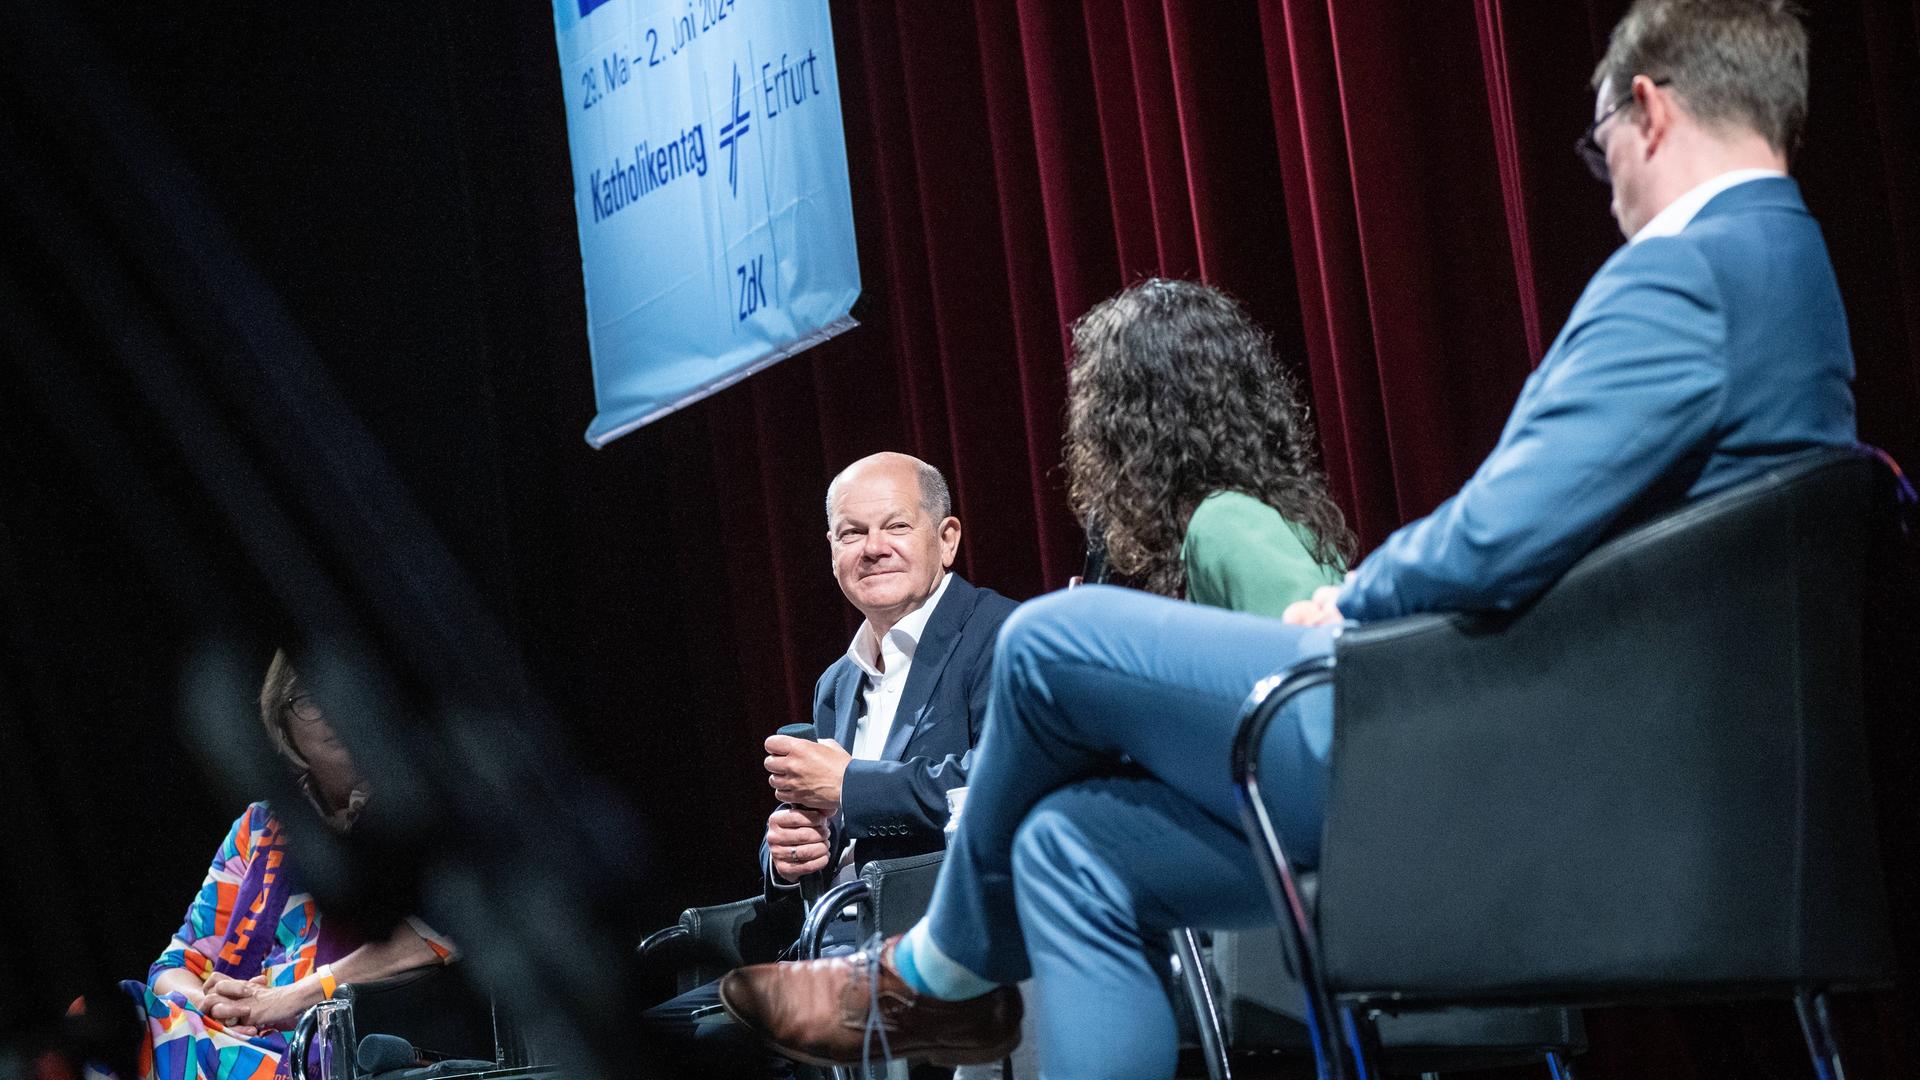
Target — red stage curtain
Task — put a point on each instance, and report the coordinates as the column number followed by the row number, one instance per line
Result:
column 1389, row 187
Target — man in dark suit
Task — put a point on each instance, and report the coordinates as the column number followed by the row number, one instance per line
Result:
column 898, row 715
column 1710, row 349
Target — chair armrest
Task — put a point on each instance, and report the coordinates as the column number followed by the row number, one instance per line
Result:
column 750, row 931
column 434, row 1008
column 664, row 943
column 891, row 895
column 431, row 1007
column 899, row 890
column 813, row 935
column 719, row 930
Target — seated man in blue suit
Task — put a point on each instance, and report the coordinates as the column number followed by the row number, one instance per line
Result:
column 1711, row 347
column 899, row 715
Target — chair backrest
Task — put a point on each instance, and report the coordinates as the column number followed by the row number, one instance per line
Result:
column 899, row 892
column 1652, row 779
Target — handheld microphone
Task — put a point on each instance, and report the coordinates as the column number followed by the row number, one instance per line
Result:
column 809, row 885
column 1095, row 570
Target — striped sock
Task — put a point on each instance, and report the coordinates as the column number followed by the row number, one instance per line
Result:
column 928, row 970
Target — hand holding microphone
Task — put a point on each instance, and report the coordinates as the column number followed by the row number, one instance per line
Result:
column 805, row 772
column 797, row 842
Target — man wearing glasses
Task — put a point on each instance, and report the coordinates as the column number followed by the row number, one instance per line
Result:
column 1710, row 348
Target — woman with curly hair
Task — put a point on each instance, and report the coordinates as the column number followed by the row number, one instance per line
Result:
column 1190, row 453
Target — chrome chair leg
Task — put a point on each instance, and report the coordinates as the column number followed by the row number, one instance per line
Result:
column 1296, row 924
column 1363, row 1041
column 1206, row 1007
column 1816, row 1024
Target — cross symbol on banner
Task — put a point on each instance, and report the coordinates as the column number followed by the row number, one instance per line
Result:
column 730, row 133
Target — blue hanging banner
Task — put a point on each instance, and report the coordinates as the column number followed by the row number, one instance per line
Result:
column 710, row 185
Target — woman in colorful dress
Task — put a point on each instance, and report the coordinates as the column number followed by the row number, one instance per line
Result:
column 1190, row 452
column 254, row 952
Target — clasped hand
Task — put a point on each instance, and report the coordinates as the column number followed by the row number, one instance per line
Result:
column 806, row 773
column 250, row 1007
column 1319, row 611
column 797, row 841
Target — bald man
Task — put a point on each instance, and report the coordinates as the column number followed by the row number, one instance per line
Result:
column 899, row 714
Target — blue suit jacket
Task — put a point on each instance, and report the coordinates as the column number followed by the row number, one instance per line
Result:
column 1690, row 363
column 897, row 805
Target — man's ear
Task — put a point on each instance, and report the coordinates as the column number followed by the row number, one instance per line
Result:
column 1653, row 112
column 949, row 540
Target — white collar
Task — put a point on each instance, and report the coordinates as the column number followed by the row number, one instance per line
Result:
column 864, row 649
column 1679, row 213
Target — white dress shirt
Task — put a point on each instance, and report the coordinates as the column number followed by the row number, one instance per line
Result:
column 886, row 662
column 1679, row 213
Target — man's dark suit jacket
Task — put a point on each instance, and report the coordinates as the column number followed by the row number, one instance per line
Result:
column 897, row 805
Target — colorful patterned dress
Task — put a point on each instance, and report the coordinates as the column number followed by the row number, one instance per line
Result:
column 250, row 918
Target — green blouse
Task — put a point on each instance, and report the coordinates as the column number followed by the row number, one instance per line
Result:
column 1240, row 554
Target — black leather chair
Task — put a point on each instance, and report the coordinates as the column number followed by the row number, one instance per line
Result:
column 706, row 942
column 889, row 894
column 1245, row 1001
column 440, row 1017
column 1650, row 785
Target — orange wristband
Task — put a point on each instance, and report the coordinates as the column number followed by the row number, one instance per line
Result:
column 327, row 982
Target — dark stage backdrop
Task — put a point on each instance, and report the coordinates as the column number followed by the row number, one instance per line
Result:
column 1389, row 187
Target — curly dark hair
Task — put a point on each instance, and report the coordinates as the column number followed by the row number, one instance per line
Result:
column 1175, row 394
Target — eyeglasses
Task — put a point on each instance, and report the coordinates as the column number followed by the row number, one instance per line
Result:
column 304, row 707
column 1589, row 150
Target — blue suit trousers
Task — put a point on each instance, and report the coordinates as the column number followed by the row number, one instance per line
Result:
column 1101, row 811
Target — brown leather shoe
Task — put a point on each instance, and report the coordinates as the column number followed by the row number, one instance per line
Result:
column 816, row 1011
